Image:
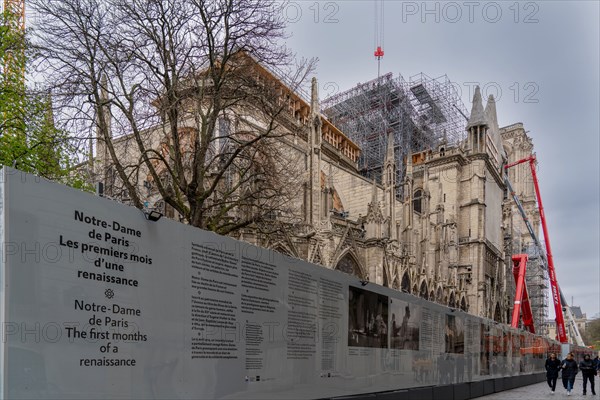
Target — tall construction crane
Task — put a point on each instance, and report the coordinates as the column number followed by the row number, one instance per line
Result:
column 557, row 296
column 16, row 9
column 520, row 262
column 379, row 25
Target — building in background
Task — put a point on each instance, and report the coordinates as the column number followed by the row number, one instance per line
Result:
column 580, row 319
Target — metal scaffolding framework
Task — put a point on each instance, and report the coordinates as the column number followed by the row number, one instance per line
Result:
column 537, row 284
column 420, row 112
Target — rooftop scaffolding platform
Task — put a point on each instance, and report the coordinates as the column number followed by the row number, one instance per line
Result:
column 420, row 112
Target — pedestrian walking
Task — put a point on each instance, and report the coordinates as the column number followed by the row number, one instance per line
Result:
column 588, row 371
column 569, row 371
column 552, row 368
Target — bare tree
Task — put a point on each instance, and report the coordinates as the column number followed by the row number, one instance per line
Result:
column 183, row 100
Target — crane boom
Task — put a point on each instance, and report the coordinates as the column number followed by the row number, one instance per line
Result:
column 556, row 295
column 570, row 318
column 524, row 216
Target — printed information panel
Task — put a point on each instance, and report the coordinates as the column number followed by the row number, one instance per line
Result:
column 99, row 302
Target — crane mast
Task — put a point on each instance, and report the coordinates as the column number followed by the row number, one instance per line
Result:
column 379, row 19
column 16, row 8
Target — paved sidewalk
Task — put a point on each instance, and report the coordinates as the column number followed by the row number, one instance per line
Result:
column 540, row 391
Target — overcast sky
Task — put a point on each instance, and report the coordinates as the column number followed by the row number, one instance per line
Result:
column 541, row 61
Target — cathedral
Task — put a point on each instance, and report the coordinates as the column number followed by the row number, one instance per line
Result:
column 449, row 240
column 444, row 230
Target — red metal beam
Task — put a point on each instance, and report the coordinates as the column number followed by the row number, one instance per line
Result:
column 522, row 303
column 507, row 166
column 519, row 266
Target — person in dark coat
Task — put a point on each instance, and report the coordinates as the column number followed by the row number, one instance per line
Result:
column 569, row 371
column 552, row 368
column 588, row 371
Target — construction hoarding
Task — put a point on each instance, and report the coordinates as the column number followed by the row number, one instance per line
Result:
column 97, row 301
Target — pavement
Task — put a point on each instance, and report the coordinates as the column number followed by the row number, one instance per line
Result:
column 541, row 391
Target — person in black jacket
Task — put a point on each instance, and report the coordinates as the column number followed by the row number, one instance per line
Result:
column 552, row 368
column 569, row 371
column 588, row 370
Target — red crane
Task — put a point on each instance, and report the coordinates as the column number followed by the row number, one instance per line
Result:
column 379, row 14
column 556, row 297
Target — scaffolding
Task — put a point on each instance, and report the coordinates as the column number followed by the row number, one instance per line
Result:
column 537, row 285
column 420, row 113
column 536, row 279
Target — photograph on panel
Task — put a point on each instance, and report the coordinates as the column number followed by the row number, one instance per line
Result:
column 484, row 348
column 367, row 318
column 404, row 325
column 454, row 335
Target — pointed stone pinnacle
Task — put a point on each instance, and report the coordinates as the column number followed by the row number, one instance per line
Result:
column 490, row 111
column 477, row 112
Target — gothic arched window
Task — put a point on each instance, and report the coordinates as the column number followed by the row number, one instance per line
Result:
column 418, row 201
column 405, row 285
column 463, row 304
column 424, row 293
column 497, row 313
column 452, row 301
column 349, row 265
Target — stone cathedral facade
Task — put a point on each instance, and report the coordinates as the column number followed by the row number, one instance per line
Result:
column 448, row 240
